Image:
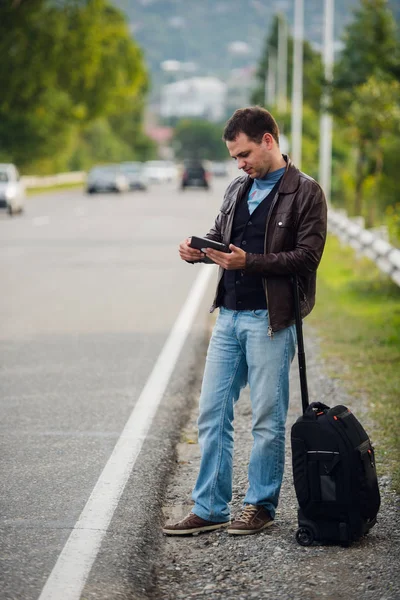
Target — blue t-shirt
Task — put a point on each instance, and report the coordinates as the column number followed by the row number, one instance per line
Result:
column 262, row 187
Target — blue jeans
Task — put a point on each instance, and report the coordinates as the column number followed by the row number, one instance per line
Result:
column 241, row 352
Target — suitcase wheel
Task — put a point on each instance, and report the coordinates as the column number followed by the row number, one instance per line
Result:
column 304, row 536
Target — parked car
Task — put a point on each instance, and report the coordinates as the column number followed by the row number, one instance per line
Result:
column 194, row 175
column 161, row 171
column 136, row 175
column 12, row 189
column 107, row 178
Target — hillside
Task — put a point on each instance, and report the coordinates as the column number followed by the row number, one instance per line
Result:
column 201, row 31
column 201, row 34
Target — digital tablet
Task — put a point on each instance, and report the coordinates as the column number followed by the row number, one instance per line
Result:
column 199, row 243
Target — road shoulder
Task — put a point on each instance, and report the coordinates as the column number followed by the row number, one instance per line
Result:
column 272, row 564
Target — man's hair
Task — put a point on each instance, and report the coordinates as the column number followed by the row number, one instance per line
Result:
column 253, row 121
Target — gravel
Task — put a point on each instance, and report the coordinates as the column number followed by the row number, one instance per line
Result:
column 271, row 564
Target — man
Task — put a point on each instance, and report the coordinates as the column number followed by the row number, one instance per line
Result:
column 274, row 220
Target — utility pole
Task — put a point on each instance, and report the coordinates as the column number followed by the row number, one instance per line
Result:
column 297, row 92
column 282, row 64
column 270, row 84
column 325, row 141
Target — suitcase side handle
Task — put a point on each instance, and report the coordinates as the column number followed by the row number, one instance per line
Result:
column 300, row 345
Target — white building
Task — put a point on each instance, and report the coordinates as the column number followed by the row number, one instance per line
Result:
column 203, row 97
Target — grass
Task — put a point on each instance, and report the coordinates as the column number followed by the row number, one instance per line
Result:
column 358, row 320
column 51, row 188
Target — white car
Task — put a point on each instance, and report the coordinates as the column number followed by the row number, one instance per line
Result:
column 135, row 173
column 161, row 171
column 106, row 178
column 12, row 190
column 219, row 169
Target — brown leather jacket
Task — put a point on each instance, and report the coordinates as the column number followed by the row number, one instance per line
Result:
column 294, row 241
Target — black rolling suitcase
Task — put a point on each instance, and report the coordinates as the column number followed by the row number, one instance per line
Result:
column 333, row 467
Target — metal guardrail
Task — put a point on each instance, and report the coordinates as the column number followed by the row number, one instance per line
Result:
column 372, row 243
column 33, row 181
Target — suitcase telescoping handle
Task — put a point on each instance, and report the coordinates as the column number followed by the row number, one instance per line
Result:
column 300, row 345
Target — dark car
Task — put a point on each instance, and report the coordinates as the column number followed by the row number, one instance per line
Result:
column 194, row 175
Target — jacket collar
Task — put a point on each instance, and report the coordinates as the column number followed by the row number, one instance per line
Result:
column 291, row 177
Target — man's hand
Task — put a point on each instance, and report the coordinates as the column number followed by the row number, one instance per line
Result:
column 235, row 260
column 188, row 253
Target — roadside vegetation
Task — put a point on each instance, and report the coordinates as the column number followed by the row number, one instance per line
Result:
column 358, row 308
column 74, row 85
column 52, row 188
column 357, row 316
column 365, row 102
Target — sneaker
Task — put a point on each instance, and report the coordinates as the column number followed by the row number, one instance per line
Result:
column 192, row 525
column 252, row 520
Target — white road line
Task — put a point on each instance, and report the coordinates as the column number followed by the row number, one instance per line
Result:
column 67, row 579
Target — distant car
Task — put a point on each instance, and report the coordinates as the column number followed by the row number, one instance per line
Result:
column 194, row 175
column 172, row 170
column 12, row 190
column 107, row 178
column 219, row 169
column 161, row 171
column 136, row 175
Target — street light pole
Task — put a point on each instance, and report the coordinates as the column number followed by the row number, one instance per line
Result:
column 297, row 91
column 271, row 78
column 282, row 63
column 325, row 143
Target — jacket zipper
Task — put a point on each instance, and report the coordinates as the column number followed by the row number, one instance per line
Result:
column 270, row 332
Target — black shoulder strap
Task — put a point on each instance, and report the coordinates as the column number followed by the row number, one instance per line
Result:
column 300, row 345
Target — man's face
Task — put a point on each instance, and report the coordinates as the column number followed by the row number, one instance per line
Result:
column 253, row 158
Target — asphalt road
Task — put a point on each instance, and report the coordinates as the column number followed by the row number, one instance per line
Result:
column 91, row 287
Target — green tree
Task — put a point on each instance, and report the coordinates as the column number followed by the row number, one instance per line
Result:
column 102, row 68
column 66, row 64
column 366, row 99
column 371, row 45
column 128, row 125
column 374, row 116
column 198, row 139
column 34, row 113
